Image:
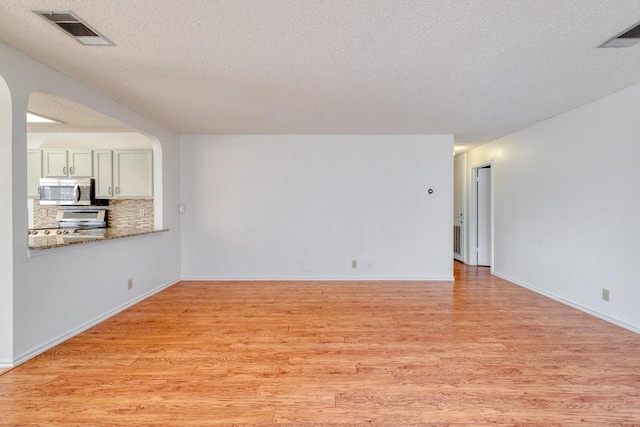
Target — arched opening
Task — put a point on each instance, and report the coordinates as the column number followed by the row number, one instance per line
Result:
column 104, row 145
column 6, row 229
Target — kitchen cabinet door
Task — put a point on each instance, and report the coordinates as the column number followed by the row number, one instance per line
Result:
column 67, row 163
column 34, row 172
column 133, row 174
column 80, row 163
column 54, row 163
column 103, row 168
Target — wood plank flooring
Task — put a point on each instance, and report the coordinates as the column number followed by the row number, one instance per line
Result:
column 479, row 351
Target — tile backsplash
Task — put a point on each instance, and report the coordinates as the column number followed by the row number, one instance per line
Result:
column 44, row 216
column 127, row 213
column 131, row 213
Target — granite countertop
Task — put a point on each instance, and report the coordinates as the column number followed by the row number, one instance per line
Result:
column 59, row 241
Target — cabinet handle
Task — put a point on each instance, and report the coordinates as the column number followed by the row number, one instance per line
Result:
column 117, row 190
column 71, row 170
column 64, row 170
column 110, row 190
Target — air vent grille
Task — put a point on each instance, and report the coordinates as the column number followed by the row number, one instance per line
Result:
column 71, row 24
column 58, row 17
column 633, row 33
column 625, row 39
column 77, row 29
column 457, row 240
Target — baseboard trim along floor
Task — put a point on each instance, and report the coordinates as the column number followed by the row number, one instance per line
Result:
column 90, row 324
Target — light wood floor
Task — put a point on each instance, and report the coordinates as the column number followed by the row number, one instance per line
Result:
column 479, row 351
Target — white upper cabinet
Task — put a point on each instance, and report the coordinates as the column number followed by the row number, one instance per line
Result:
column 80, row 163
column 34, row 172
column 133, row 173
column 67, row 163
column 123, row 174
column 55, row 164
column 103, row 167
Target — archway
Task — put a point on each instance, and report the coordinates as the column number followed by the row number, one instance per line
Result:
column 78, row 127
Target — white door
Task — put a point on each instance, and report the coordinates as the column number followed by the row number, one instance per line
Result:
column 133, row 173
column 80, row 163
column 483, row 193
column 103, row 168
column 54, row 164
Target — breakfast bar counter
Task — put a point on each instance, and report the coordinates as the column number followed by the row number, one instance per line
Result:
column 58, row 241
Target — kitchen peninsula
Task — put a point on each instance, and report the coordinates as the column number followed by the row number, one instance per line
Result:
column 53, row 241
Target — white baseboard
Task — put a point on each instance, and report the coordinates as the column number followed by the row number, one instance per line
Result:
column 317, row 278
column 599, row 315
column 6, row 365
column 73, row 332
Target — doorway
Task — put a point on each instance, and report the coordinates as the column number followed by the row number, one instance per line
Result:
column 483, row 215
column 480, row 235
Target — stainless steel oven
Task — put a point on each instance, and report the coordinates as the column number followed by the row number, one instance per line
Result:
column 82, row 218
column 66, row 192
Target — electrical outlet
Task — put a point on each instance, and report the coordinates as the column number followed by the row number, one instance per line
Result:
column 130, row 284
column 354, row 263
column 141, row 213
column 369, row 265
column 605, row 294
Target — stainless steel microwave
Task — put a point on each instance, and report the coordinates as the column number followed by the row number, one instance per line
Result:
column 66, row 192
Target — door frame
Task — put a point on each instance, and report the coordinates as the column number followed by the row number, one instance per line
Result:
column 463, row 232
column 472, row 219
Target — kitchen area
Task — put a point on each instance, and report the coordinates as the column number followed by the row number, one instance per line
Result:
column 89, row 178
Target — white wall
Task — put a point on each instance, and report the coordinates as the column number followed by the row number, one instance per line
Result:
column 6, row 229
column 566, row 202
column 292, row 206
column 52, row 301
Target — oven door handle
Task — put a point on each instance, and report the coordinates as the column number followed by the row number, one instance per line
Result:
column 76, row 191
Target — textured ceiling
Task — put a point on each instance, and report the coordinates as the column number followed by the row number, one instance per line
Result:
column 73, row 117
column 477, row 68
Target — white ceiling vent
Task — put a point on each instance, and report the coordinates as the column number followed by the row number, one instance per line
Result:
column 75, row 27
column 625, row 39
